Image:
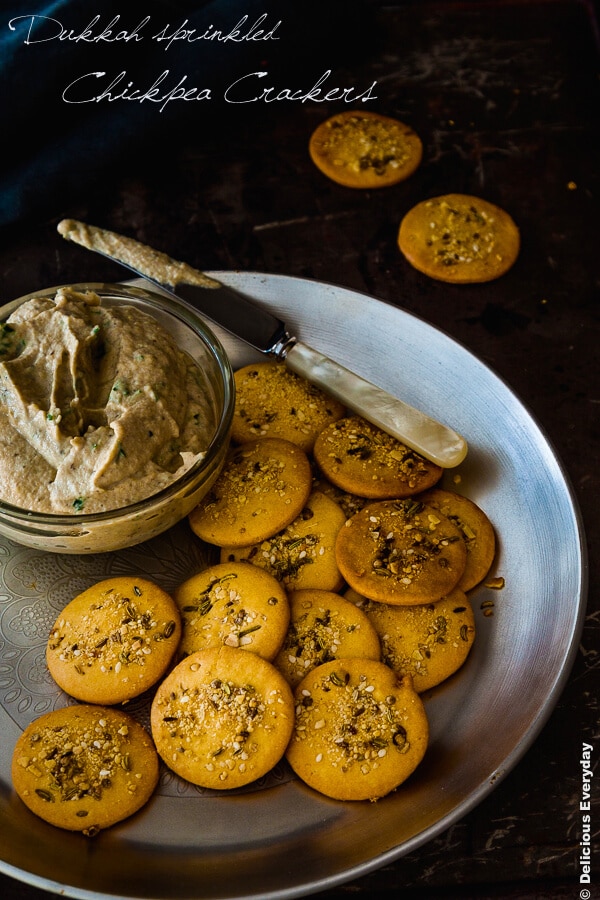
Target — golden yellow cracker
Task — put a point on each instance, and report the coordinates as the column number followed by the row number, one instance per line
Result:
column 362, row 459
column 272, row 401
column 360, row 730
column 429, row 642
column 459, row 238
column 233, row 604
column 475, row 527
column 303, row 554
column 84, row 767
column 262, row 488
column 324, row 626
column 361, row 149
column 114, row 640
column 401, row 551
column 222, row 718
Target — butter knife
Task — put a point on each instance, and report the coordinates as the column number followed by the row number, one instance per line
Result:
column 245, row 319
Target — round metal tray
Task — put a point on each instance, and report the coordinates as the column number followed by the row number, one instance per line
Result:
column 277, row 838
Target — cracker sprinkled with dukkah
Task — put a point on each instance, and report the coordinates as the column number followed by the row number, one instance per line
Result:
column 84, row 767
column 233, row 604
column 361, row 149
column 475, row 527
column 272, row 401
column 401, row 551
column 262, row 487
column 459, row 238
column 429, row 642
column 360, row 731
column 324, row 626
column 222, row 718
column 113, row 641
column 362, row 459
column 302, row 555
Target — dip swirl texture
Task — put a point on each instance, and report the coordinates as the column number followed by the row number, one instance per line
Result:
column 99, row 408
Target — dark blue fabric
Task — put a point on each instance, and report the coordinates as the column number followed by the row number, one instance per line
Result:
column 52, row 150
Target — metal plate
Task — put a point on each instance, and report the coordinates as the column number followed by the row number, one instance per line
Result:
column 277, row 838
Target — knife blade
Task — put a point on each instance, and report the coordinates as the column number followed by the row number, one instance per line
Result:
column 246, row 319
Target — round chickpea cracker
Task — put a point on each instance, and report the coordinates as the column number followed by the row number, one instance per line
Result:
column 222, row 718
column 360, row 149
column 262, row 487
column 360, row 730
column 401, row 551
column 429, row 642
column 113, row 641
column 84, row 767
column 233, row 604
column 324, row 626
column 460, row 239
column 303, row 554
column 475, row 527
column 272, row 401
column 362, row 459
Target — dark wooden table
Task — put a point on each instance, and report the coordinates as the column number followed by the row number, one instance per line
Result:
column 505, row 98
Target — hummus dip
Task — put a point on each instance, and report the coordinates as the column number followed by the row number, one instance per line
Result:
column 99, row 408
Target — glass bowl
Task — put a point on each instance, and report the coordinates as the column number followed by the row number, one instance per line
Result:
column 99, row 532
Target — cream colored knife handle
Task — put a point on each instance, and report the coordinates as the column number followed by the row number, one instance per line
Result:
column 434, row 441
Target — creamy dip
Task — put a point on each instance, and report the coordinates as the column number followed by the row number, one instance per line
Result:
column 99, row 408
